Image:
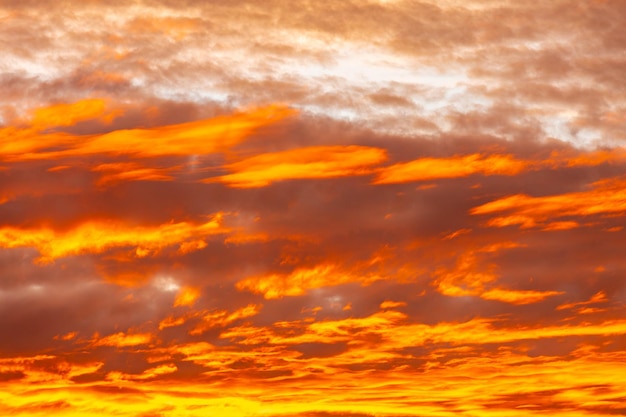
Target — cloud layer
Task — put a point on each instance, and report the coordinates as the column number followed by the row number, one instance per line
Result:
column 303, row 208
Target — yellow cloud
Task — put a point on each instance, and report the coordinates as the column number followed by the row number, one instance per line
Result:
column 425, row 169
column 63, row 114
column 471, row 276
column 187, row 297
column 605, row 197
column 198, row 137
column 299, row 281
column 99, row 236
column 302, row 163
column 124, row 340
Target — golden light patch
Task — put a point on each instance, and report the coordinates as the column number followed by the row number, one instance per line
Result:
column 97, row 237
column 605, row 197
column 67, row 336
column 187, row 297
column 471, row 276
column 63, row 114
column 518, row 297
column 123, row 339
column 219, row 318
column 392, row 304
column 303, row 163
column 301, row 280
column 198, row 137
column 427, row 169
column 128, row 171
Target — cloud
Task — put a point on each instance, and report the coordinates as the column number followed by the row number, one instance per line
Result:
column 129, row 171
column 303, row 163
column 221, row 318
column 197, row 137
column 98, row 237
column 303, row 279
column 470, row 276
column 297, row 282
column 426, row 169
column 519, row 296
column 396, row 333
column 63, row 114
column 148, row 374
column 604, row 197
column 123, row 340
column 187, row 297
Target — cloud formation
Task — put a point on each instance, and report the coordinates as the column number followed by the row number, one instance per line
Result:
column 302, row 208
column 310, row 162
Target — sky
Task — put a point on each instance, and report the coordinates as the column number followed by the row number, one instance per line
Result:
column 355, row 208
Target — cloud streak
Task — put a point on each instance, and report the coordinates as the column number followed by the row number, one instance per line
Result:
column 302, row 163
column 605, row 197
column 98, row 237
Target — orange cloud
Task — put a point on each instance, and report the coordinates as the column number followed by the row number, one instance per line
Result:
column 302, row 163
column 378, row 342
column 517, row 296
column 587, row 158
column 67, row 336
column 425, row 169
column 561, row 387
column 151, row 373
column 605, row 197
column 394, row 331
column 187, row 297
column 20, row 360
column 16, row 141
column 299, row 281
column 220, row 318
column 210, row 319
column 97, row 237
column 391, row 304
column 131, row 171
column 61, row 115
column 173, row 321
column 472, row 277
column 123, row 340
column 197, row 137
column 599, row 297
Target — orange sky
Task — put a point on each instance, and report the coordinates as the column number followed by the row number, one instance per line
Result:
column 312, row 209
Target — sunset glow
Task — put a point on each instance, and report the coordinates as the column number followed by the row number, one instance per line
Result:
column 358, row 208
